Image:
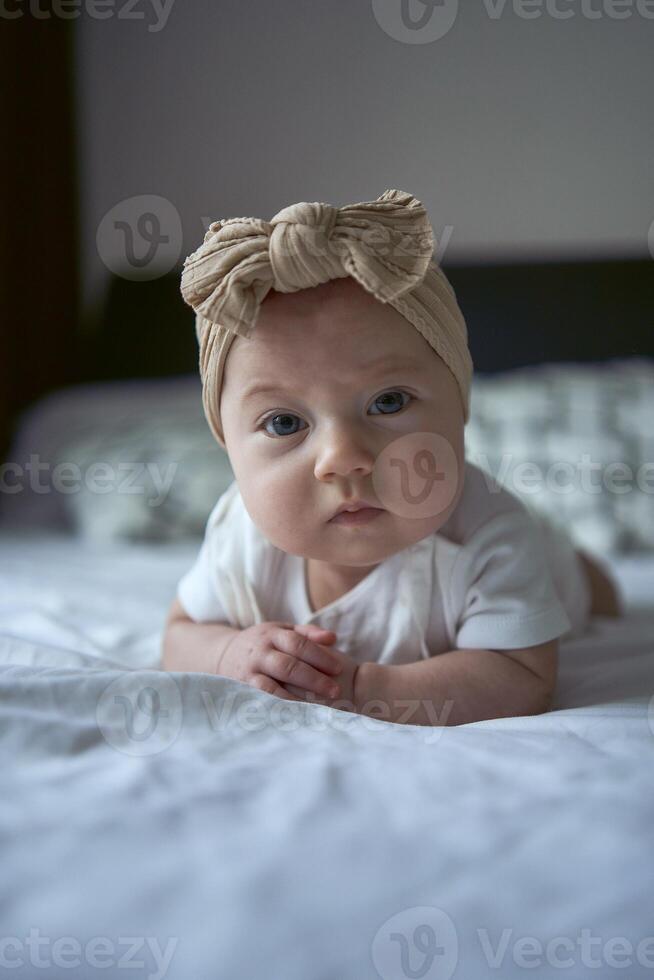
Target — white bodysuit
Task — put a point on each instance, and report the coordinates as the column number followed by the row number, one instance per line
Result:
column 496, row 575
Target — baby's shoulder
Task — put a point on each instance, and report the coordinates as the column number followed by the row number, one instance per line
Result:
column 234, row 540
column 226, row 511
column 483, row 500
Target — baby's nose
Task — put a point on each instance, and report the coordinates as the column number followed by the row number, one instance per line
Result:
column 342, row 451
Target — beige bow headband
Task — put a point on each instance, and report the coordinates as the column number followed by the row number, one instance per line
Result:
column 386, row 245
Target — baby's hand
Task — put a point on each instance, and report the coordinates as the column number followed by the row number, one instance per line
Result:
column 270, row 654
column 346, row 676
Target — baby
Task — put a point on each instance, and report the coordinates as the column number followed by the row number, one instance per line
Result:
column 358, row 559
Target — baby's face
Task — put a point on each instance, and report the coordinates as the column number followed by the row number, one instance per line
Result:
column 344, row 377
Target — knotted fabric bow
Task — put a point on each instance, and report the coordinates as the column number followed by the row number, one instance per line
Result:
column 385, row 245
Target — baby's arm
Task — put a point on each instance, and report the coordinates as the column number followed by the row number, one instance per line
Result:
column 460, row 686
column 191, row 646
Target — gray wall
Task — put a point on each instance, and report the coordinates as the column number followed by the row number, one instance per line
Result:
column 523, row 137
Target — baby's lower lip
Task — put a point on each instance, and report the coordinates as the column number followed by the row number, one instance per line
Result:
column 362, row 516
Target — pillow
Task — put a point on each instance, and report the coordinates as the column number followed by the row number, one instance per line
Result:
column 132, row 460
column 574, row 441
column 154, row 481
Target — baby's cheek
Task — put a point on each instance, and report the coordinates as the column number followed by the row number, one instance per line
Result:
column 278, row 512
column 416, row 476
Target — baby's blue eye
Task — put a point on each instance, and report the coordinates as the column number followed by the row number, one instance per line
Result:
column 387, row 400
column 283, row 421
column 286, row 424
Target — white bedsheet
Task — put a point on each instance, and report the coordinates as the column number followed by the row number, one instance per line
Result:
column 233, row 835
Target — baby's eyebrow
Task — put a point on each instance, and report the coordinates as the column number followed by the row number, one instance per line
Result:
column 379, row 367
column 263, row 389
column 393, row 364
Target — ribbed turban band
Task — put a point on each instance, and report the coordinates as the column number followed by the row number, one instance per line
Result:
column 386, row 245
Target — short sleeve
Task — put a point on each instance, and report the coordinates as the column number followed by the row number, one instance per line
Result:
column 502, row 594
column 196, row 591
column 231, row 570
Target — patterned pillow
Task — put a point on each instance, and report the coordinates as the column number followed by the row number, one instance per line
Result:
column 162, row 478
column 575, row 441
column 130, row 460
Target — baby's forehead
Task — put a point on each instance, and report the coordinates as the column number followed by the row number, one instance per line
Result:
column 344, row 363
column 335, row 327
column 330, row 342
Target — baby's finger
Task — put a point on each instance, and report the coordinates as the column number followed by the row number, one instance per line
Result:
column 290, row 668
column 310, row 652
column 315, row 633
column 310, row 697
column 270, row 686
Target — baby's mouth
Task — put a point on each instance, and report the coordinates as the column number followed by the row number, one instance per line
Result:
column 354, row 505
column 356, row 516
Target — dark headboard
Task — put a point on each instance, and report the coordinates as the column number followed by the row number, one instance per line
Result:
column 564, row 311
column 517, row 315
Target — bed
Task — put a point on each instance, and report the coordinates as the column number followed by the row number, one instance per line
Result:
column 188, row 826
column 264, row 839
